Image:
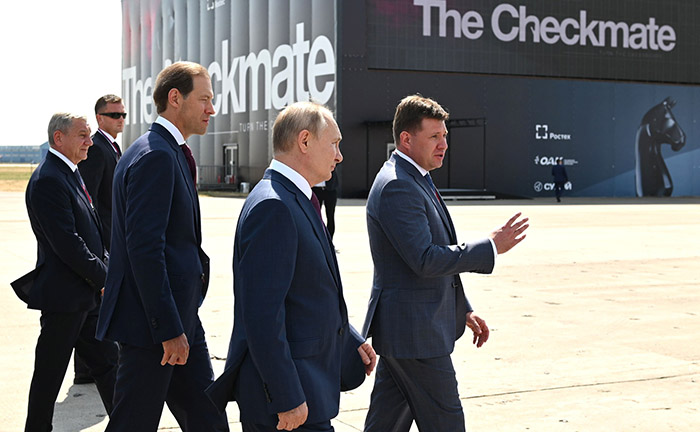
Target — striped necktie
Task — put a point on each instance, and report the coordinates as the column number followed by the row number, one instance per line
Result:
column 82, row 184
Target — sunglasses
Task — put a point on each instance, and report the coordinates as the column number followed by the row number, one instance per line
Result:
column 114, row 115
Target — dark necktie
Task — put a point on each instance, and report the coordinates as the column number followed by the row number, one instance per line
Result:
column 190, row 161
column 432, row 186
column 117, row 149
column 317, row 206
column 82, row 184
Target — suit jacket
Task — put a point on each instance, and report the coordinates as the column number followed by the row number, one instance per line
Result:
column 97, row 172
column 332, row 184
column 290, row 318
column 559, row 174
column 70, row 268
column 158, row 272
column 417, row 307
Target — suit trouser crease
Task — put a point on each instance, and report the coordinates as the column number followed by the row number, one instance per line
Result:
column 60, row 333
column 424, row 390
column 144, row 387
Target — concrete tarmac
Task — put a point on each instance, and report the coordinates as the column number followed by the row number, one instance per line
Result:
column 595, row 317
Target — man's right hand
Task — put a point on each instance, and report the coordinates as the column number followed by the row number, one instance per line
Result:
column 175, row 351
column 290, row 420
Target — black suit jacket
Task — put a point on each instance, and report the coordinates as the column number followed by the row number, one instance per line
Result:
column 70, row 269
column 97, row 172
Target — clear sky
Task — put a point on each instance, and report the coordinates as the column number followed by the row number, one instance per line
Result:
column 57, row 55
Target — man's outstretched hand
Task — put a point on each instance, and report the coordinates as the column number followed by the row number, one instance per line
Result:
column 510, row 234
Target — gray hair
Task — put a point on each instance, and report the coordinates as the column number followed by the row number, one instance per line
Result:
column 62, row 122
column 295, row 118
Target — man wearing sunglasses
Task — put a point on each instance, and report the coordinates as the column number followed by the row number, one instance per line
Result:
column 98, row 169
column 97, row 172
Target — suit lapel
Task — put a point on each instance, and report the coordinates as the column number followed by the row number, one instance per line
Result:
column 104, row 142
column 315, row 222
column 72, row 180
column 185, row 171
column 428, row 191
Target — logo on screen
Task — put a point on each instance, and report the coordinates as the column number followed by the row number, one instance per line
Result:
column 541, row 131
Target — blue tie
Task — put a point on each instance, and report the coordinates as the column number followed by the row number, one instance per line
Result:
column 432, row 186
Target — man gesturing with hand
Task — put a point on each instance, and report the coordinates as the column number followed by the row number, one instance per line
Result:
column 418, row 308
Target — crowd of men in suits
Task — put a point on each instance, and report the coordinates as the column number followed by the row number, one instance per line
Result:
column 120, row 274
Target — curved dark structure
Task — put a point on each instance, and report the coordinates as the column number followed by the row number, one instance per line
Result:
column 658, row 127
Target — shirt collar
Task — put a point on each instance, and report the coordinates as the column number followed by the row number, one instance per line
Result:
column 63, row 157
column 174, row 131
column 420, row 169
column 293, row 176
column 107, row 135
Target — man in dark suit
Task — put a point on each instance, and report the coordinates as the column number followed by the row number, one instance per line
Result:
column 327, row 193
column 417, row 307
column 70, row 271
column 290, row 320
column 158, row 272
column 97, row 172
column 560, row 178
column 98, row 169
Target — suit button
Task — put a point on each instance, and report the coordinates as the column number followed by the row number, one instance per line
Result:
column 341, row 331
column 154, row 323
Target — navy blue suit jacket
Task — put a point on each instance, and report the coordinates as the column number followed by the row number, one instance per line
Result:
column 158, row 272
column 417, row 307
column 559, row 174
column 70, row 268
column 97, row 172
column 290, row 318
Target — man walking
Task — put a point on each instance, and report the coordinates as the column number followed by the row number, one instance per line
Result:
column 70, row 272
column 158, row 273
column 292, row 348
column 418, row 308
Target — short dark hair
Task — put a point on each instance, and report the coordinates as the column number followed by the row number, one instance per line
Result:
column 178, row 76
column 412, row 110
column 104, row 100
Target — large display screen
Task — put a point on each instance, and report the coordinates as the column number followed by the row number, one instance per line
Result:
column 632, row 40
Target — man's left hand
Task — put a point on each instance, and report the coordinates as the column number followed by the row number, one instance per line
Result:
column 479, row 328
column 369, row 357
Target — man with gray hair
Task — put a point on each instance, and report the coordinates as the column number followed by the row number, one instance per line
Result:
column 292, row 350
column 70, row 272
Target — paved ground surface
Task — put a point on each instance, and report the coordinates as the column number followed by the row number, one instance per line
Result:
column 595, row 317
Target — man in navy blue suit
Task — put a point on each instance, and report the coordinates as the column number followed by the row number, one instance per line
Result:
column 158, row 273
column 70, row 271
column 291, row 344
column 417, row 307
